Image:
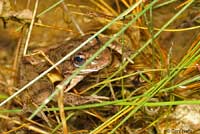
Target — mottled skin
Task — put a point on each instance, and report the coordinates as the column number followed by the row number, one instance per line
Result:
column 33, row 65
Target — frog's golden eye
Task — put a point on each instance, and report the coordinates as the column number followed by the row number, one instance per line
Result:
column 78, row 60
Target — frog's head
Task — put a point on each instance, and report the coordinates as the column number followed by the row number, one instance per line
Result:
column 80, row 57
column 84, row 54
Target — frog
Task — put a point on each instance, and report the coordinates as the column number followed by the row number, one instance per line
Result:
column 33, row 65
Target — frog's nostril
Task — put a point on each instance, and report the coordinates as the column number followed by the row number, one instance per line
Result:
column 78, row 60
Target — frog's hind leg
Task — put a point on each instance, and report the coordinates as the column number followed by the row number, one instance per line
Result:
column 36, row 95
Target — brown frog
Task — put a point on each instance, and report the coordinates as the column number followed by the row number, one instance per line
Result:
column 33, row 65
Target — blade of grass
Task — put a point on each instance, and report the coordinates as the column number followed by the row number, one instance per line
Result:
column 116, row 103
column 183, row 83
column 30, row 28
column 60, row 124
column 50, row 8
column 164, row 3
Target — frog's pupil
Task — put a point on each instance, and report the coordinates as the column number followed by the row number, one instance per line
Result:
column 79, row 59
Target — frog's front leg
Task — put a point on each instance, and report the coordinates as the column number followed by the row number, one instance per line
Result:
column 35, row 95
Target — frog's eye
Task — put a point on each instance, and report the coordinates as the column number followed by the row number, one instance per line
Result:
column 78, row 60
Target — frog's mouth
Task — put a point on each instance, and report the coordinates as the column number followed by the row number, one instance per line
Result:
column 87, row 71
column 83, row 73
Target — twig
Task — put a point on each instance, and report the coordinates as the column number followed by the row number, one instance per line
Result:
column 31, row 27
column 72, row 18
